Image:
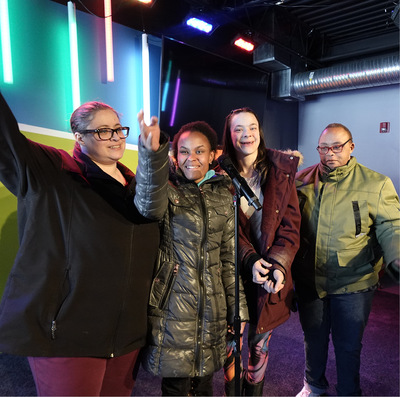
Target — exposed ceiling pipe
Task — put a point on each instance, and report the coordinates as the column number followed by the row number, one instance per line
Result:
column 372, row 72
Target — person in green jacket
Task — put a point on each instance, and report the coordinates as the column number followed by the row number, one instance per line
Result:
column 350, row 227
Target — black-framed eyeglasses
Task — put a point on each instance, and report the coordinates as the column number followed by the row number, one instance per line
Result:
column 106, row 134
column 335, row 149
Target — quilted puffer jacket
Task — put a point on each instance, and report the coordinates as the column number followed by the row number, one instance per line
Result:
column 193, row 292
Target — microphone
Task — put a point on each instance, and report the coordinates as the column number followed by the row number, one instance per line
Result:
column 240, row 183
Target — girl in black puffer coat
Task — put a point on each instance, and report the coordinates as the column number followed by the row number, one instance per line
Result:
column 193, row 291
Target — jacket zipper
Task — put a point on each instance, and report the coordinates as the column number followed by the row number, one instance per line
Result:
column 203, row 257
column 170, row 282
column 62, row 299
column 53, row 329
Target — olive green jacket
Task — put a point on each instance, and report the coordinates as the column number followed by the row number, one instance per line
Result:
column 350, row 222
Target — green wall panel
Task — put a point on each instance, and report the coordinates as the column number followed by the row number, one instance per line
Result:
column 8, row 206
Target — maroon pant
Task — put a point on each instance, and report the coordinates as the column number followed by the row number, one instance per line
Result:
column 84, row 376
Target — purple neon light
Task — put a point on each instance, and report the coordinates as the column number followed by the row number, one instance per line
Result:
column 177, row 86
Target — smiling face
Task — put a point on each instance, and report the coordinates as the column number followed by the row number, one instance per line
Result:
column 334, row 137
column 102, row 152
column 194, row 155
column 245, row 134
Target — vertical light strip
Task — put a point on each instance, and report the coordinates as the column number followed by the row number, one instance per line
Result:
column 109, row 40
column 146, row 78
column 6, row 42
column 166, row 87
column 176, row 95
column 73, row 50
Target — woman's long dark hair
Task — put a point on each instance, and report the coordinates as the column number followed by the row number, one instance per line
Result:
column 260, row 165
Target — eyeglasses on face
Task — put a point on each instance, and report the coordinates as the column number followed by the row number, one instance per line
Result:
column 335, row 149
column 106, row 134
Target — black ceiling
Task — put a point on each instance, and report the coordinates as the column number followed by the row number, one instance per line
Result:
column 313, row 33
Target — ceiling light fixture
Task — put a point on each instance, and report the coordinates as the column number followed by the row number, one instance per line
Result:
column 244, row 43
column 199, row 24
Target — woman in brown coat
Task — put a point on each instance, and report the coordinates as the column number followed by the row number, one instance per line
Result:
column 268, row 239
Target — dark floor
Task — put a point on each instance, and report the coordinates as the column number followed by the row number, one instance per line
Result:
column 284, row 377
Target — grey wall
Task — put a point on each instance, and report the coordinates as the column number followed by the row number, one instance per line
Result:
column 361, row 111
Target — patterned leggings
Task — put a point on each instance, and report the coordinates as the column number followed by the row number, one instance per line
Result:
column 258, row 355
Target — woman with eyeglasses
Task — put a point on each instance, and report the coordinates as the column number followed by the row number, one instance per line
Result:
column 268, row 241
column 75, row 300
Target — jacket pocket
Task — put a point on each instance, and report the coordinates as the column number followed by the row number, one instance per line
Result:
column 361, row 217
column 356, row 257
column 162, row 284
column 218, row 218
column 222, row 210
column 63, row 295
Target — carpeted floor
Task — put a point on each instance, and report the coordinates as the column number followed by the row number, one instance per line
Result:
column 379, row 365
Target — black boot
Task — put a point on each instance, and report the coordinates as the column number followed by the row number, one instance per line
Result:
column 252, row 389
column 230, row 387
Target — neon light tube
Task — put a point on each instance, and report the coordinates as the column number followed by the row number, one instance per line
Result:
column 166, row 87
column 109, row 40
column 176, row 95
column 6, row 42
column 146, row 78
column 73, row 50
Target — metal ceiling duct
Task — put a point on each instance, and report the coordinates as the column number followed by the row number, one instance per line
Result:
column 371, row 72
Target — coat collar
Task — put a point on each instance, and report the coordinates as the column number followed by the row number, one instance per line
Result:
column 91, row 169
column 328, row 175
